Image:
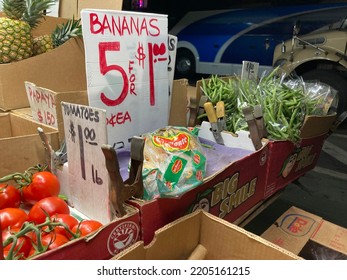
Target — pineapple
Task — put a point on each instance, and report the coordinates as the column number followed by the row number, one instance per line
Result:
column 62, row 33
column 21, row 16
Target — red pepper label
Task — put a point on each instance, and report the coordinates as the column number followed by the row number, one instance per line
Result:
column 177, row 166
column 196, row 158
column 174, row 143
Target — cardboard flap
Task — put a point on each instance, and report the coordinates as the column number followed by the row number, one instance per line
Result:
column 70, row 8
column 217, row 234
column 5, row 124
column 332, row 236
column 47, row 25
column 316, row 125
column 20, row 143
column 219, row 239
column 293, row 229
column 178, row 112
column 176, row 240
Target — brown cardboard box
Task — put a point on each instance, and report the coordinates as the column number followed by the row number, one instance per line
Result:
column 102, row 244
column 59, row 69
column 20, row 144
column 70, row 8
column 179, row 103
column 286, row 161
column 308, row 235
column 201, row 235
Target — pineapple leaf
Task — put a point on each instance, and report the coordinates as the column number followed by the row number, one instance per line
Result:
column 63, row 32
column 14, row 9
column 36, row 10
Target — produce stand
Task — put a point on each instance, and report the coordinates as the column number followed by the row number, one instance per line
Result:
column 101, row 168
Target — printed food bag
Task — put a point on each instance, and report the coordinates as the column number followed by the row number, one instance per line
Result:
column 173, row 162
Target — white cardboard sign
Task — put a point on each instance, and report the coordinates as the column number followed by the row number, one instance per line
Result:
column 127, row 71
column 250, row 70
column 85, row 133
column 42, row 104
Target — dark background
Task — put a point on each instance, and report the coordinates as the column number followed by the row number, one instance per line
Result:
column 176, row 9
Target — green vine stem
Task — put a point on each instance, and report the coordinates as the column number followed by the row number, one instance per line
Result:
column 23, row 179
column 37, row 229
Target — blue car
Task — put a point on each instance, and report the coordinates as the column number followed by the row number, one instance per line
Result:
column 216, row 42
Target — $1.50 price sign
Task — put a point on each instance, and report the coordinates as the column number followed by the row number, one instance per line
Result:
column 127, row 60
column 42, row 104
column 85, row 133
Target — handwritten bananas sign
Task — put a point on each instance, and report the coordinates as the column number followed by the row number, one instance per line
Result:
column 127, row 71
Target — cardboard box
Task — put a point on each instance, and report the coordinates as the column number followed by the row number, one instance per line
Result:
column 20, row 143
column 108, row 241
column 61, row 69
column 72, row 8
column 289, row 161
column 308, row 236
column 230, row 187
column 201, row 235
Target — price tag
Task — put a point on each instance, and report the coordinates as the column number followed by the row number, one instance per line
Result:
column 85, row 132
column 250, row 70
column 127, row 71
column 42, row 104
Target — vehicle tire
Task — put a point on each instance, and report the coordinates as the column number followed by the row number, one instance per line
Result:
column 185, row 64
column 335, row 81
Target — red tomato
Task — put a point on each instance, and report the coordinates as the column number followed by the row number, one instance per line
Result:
column 54, row 240
column 68, row 220
column 23, row 245
column 47, row 206
column 86, row 226
column 12, row 217
column 9, row 196
column 43, row 184
column 32, row 252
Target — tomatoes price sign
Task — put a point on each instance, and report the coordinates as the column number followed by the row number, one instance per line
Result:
column 85, row 133
column 127, row 61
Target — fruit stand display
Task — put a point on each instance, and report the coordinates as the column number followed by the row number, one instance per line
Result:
column 226, row 161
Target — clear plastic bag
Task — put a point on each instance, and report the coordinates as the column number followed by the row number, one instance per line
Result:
column 319, row 98
column 174, row 162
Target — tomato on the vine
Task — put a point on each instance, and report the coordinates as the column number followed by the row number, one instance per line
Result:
column 86, row 226
column 54, row 240
column 47, row 206
column 68, row 220
column 12, row 217
column 23, row 244
column 43, row 184
column 10, row 196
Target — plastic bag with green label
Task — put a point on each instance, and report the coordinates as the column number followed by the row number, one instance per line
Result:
column 174, row 162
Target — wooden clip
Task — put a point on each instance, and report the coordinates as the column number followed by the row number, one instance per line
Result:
column 253, row 128
column 49, row 152
column 259, row 119
column 120, row 191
